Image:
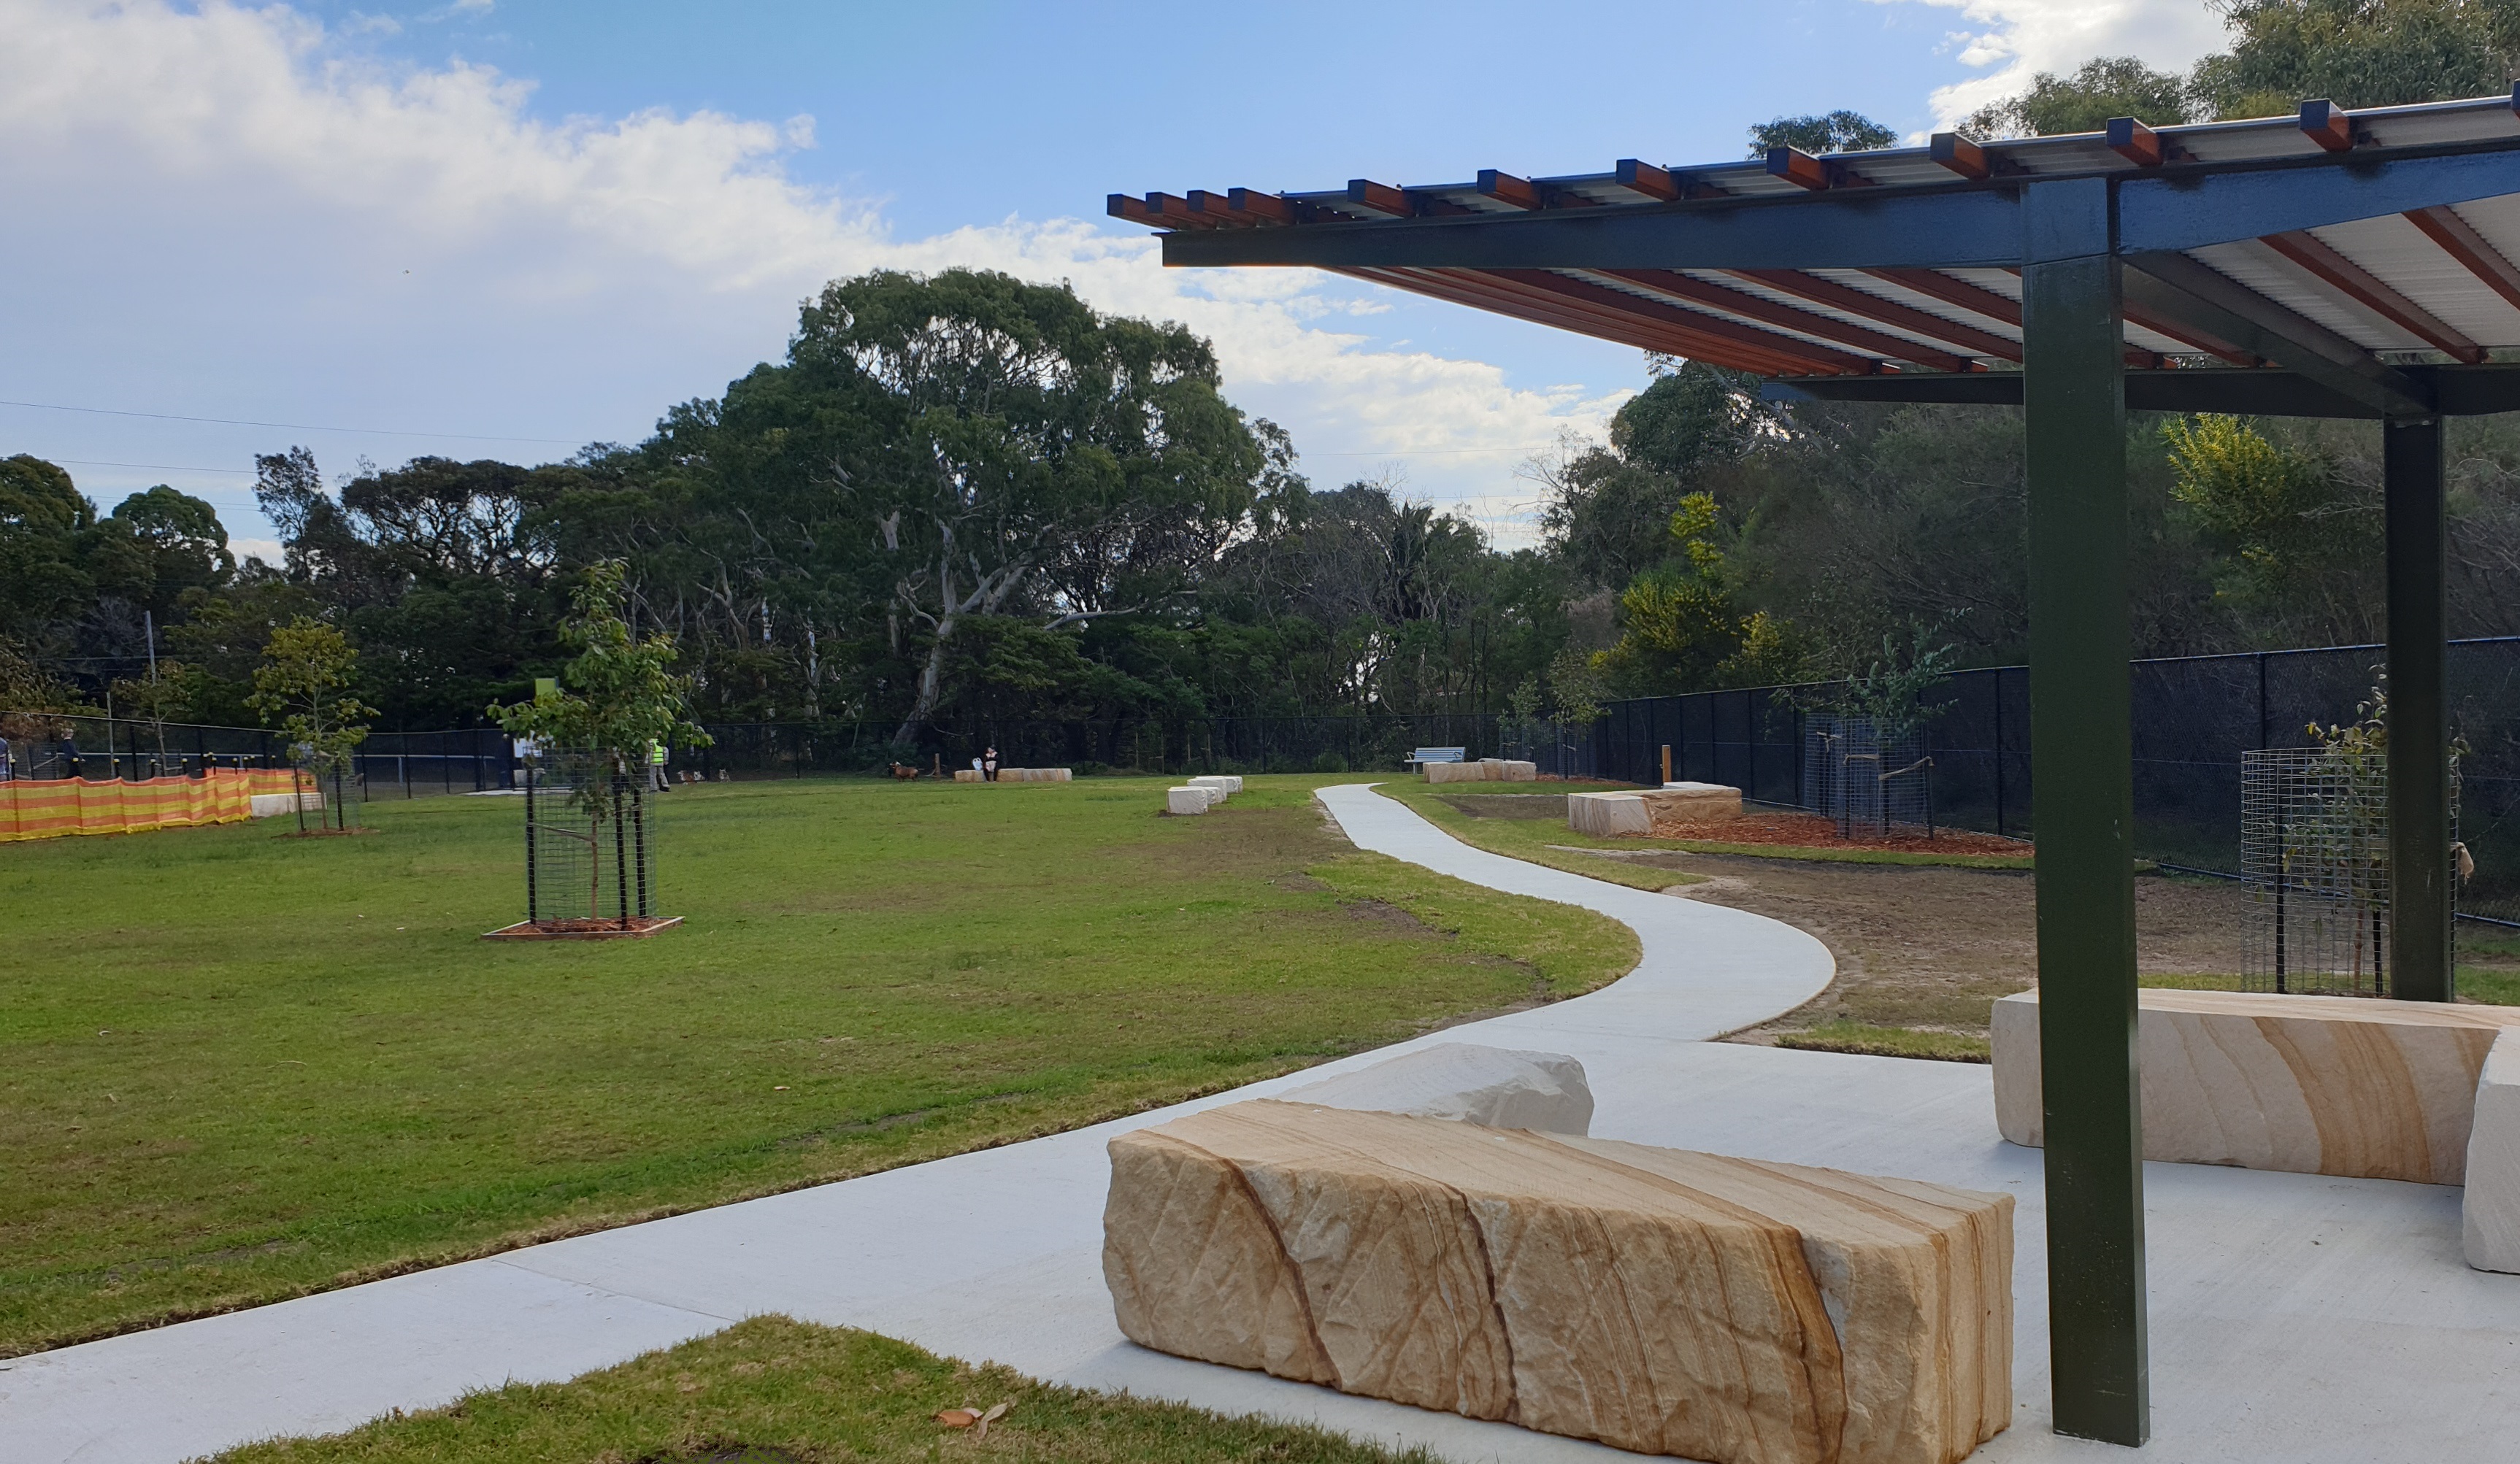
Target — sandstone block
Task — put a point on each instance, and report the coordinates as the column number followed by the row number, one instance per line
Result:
column 2489, row 1214
column 1663, row 1302
column 1608, row 815
column 1694, row 802
column 1184, row 800
column 1036, row 775
column 1220, row 787
column 1491, row 768
column 1455, row 772
column 1521, row 772
column 967, row 775
column 1495, row 1087
column 2348, row 1086
column 270, row 805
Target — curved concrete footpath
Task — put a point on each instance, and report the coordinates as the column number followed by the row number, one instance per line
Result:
column 2294, row 1317
column 1705, row 970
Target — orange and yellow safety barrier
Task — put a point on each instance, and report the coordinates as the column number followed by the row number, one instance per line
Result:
column 55, row 807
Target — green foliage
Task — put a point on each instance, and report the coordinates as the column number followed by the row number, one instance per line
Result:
column 619, row 694
column 2358, row 53
column 1839, row 131
column 1890, row 690
column 2286, row 521
column 305, row 667
column 2106, row 88
column 1684, row 628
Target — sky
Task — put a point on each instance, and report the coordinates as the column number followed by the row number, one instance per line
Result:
column 497, row 228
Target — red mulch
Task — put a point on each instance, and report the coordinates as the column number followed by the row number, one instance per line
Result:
column 583, row 929
column 1813, row 831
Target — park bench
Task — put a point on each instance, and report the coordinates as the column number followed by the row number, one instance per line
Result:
column 1660, row 1301
column 1425, row 755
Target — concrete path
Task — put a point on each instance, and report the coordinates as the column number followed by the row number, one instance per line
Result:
column 2294, row 1317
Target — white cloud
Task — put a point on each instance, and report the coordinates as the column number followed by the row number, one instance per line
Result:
column 241, row 218
column 2021, row 38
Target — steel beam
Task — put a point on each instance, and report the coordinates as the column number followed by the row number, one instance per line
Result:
column 2190, row 208
column 2420, row 937
column 2457, row 390
column 2082, row 756
column 1956, row 225
column 2178, row 288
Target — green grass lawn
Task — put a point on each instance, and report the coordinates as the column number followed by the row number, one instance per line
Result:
column 818, row 1394
column 236, row 1066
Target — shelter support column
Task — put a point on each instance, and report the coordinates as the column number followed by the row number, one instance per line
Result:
column 2082, row 796
column 2420, row 935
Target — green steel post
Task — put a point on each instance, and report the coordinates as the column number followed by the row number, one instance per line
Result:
column 2420, row 940
column 2083, row 802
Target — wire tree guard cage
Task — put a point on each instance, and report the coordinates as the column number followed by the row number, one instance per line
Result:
column 2315, row 854
column 1867, row 782
column 590, row 850
column 330, row 788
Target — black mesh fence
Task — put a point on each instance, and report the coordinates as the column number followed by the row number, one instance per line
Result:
column 1223, row 744
column 2194, row 716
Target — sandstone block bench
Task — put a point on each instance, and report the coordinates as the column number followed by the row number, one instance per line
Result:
column 1429, row 755
column 1484, row 770
column 1664, row 1301
column 1036, row 775
column 1224, row 785
column 2349, row 1086
column 1192, row 798
column 1608, row 815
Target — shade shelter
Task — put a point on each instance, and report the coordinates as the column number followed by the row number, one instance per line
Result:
column 2330, row 264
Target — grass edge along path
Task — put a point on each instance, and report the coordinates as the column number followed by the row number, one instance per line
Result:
column 196, row 1165
column 818, row 1393
column 1531, row 840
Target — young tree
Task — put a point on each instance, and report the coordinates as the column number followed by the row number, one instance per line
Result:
column 617, row 698
column 306, row 666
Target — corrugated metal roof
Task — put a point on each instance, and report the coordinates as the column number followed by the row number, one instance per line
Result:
column 2402, row 292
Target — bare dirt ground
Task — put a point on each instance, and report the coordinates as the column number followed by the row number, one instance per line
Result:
column 1930, row 947
column 1758, row 825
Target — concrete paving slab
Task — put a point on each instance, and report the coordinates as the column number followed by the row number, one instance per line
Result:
column 2294, row 1316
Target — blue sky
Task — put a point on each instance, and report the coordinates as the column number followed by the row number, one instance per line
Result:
column 541, row 224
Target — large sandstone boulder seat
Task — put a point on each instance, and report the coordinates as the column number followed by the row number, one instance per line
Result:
column 1036, row 775
column 271, row 804
column 1186, row 800
column 1664, row 1301
column 1484, row 770
column 969, row 774
column 2489, row 1214
column 2356, row 1087
column 1222, row 787
column 1694, row 802
column 1608, row 815
column 1499, row 1088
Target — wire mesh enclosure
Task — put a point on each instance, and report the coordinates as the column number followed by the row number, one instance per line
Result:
column 1865, row 781
column 330, row 792
column 590, row 848
column 2314, row 852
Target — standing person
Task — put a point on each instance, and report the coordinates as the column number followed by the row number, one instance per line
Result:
column 69, row 756
column 656, row 782
column 989, row 765
column 4, row 759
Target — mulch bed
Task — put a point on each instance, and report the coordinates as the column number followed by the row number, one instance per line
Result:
column 583, row 930
column 1813, row 831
